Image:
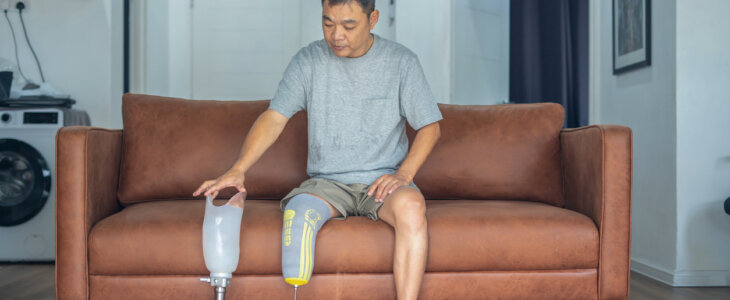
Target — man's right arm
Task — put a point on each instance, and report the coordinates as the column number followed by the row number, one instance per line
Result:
column 264, row 132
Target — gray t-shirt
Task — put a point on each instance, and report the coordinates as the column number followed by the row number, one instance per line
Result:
column 356, row 108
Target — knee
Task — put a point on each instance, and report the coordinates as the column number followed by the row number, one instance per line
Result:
column 410, row 210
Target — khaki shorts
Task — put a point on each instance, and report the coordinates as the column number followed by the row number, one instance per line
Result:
column 348, row 199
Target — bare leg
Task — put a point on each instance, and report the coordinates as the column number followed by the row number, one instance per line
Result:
column 405, row 210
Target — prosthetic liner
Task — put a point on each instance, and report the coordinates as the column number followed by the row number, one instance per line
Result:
column 304, row 215
column 221, row 233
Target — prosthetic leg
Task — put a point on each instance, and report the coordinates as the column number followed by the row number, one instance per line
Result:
column 304, row 215
column 221, row 233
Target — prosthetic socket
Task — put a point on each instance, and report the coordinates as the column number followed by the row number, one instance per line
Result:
column 304, row 215
column 221, row 234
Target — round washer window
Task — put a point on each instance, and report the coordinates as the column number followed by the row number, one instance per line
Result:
column 25, row 182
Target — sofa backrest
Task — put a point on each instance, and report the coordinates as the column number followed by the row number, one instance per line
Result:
column 170, row 146
column 505, row 152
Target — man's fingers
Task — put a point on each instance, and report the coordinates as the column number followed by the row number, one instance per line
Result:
column 392, row 187
column 374, row 186
column 202, row 188
column 387, row 189
column 376, row 192
column 381, row 189
column 213, row 189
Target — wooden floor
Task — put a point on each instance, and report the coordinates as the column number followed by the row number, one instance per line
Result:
column 27, row 281
column 35, row 281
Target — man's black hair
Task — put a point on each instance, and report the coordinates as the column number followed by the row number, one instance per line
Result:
column 368, row 6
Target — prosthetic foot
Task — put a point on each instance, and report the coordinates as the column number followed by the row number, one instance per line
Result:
column 304, row 215
column 221, row 233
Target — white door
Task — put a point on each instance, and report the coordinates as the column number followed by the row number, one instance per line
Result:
column 480, row 51
column 240, row 48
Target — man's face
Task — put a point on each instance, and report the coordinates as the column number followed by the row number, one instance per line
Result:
column 347, row 28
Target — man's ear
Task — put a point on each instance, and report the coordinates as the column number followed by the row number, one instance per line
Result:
column 374, row 18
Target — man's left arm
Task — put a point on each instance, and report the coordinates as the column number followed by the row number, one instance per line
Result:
column 426, row 138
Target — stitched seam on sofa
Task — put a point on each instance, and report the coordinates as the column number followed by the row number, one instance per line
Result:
column 603, row 208
column 562, row 170
column 119, row 168
column 127, row 204
column 89, row 129
column 631, row 187
column 55, row 204
column 560, row 271
column 580, row 128
column 86, row 212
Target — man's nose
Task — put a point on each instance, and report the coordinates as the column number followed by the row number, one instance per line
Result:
column 338, row 33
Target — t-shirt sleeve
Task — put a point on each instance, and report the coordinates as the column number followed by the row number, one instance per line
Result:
column 417, row 103
column 291, row 95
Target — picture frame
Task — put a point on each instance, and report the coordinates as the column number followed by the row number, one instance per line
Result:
column 631, row 35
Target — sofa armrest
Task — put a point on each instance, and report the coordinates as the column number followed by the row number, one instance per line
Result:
column 597, row 163
column 87, row 175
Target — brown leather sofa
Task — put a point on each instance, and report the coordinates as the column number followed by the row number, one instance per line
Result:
column 518, row 208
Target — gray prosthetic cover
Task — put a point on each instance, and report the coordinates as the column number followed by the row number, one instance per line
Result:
column 304, row 215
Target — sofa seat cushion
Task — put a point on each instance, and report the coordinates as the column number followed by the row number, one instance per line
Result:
column 165, row 238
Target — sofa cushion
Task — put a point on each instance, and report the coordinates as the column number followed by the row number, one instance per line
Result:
column 500, row 152
column 172, row 145
column 165, row 238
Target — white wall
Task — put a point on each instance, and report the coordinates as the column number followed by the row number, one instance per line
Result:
column 480, row 51
column 241, row 48
column 425, row 28
column 180, row 30
column 677, row 109
column 645, row 101
column 115, row 17
column 158, row 46
column 703, row 142
column 165, row 50
column 79, row 45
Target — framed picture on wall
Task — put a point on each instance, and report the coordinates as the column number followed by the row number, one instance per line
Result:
column 631, row 35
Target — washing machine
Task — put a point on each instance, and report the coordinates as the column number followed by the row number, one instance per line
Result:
column 27, row 161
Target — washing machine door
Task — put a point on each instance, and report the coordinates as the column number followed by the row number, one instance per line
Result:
column 25, row 182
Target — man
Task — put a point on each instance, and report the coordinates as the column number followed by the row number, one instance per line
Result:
column 358, row 90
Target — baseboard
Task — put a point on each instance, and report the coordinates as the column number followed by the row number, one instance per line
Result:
column 681, row 278
column 656, row 273
column 702, row 278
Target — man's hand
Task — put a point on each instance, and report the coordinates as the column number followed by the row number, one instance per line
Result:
column 232, row 178
column 387, row 184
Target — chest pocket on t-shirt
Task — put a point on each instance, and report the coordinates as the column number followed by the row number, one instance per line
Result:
column 379, row 116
